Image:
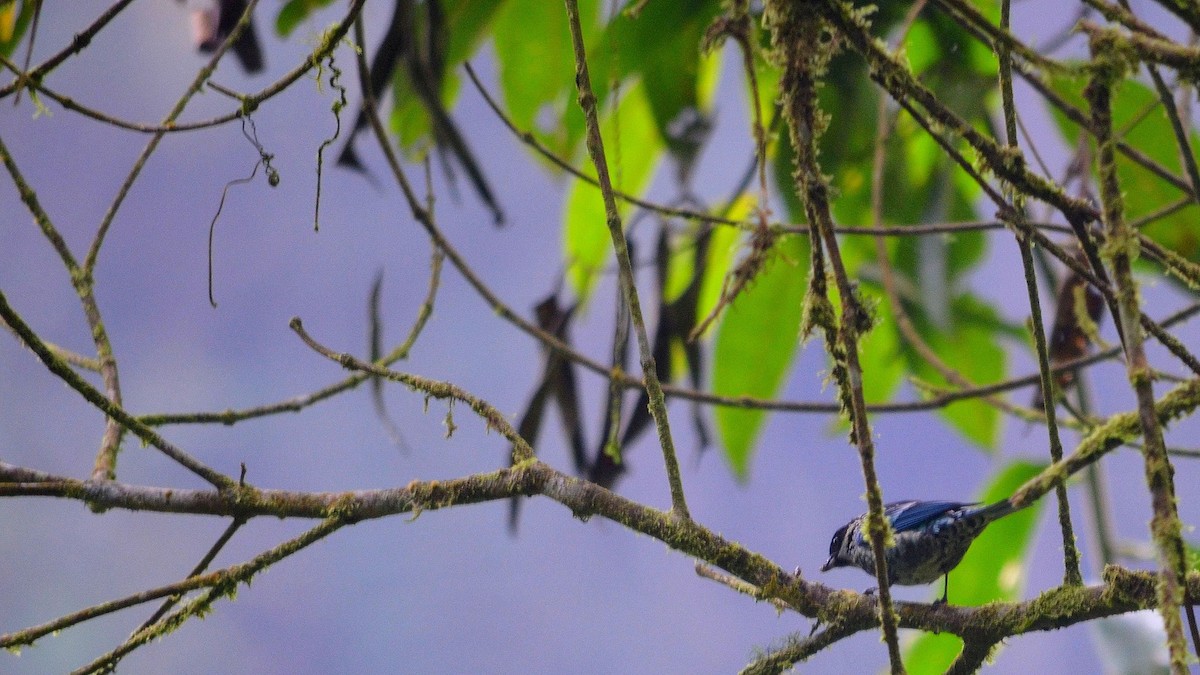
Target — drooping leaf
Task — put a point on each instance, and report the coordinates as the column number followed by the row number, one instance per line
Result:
column 1078, row 310
column 755, row 343
column 609, row 461
column 558, row 382
column 295, row 12
column 535, row 63
column 1140, row 121
column 246, row 49
column 375, row 352
column 417, row 55
column 673, row 352
column 383, row 68
column 993, row 569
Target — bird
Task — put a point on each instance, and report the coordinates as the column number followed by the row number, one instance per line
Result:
column 930, row 539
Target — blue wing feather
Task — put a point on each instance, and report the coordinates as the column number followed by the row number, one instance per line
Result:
column 915, row 515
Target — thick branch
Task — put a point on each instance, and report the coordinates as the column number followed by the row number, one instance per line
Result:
column 1122, row 590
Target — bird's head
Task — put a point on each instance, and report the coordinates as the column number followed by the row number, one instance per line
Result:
column 838, row 549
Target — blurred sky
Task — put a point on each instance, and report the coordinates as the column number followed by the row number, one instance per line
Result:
column 450, row 591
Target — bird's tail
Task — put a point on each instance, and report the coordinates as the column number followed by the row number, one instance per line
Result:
column 996, row 510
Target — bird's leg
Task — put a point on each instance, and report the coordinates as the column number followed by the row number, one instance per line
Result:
column 945, row 590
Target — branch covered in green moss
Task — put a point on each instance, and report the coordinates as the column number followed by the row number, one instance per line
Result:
column 612, row 217
column 1122, row 590
column 798, row 35
column 1109, row 67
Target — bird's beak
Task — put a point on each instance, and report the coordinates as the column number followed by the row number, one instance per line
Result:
column 829, row 564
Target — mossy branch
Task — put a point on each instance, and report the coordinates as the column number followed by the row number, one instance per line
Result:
column 1122, row 591
column 1071, row 571
column 1109, row 68
column 800, row 40
column 595, row 145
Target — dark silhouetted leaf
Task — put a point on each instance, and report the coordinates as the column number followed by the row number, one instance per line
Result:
column 1077, row 302
column 375, row 348
column 558, row 381
column 247, row 48
column 417, row 38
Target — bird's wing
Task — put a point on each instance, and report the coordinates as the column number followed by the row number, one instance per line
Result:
column 914, row 515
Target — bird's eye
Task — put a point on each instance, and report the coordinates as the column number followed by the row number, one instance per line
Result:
column 836, row 544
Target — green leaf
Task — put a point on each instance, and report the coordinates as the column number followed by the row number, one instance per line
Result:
column 917, row 174
column 879, row 351
column 13, row 24
column 970, row 345
column 993, row 569
column 660, row 47
column 722, row 249
column 755, row 344
column 466, row 24
column 921, row 47
column 535, row 59
column 1151, row 133
column 632, row 154
column 674, row 69
column 294, row 12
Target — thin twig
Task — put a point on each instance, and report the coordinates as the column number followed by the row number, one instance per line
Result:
column 74, row 358
column 222, row 584
column 226, row 535
column 1071, row 574
column 80, row 41
column 595, row 144
column 116, row 414
column 738, row 585
column 797, row 648
column 440, row 390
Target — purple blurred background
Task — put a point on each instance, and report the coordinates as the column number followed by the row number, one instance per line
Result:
column 451, row 591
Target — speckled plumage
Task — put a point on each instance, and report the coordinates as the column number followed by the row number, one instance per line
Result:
column 930, row 539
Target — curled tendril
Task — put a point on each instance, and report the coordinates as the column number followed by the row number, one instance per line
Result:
column 339, row 103
column 264, row 160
